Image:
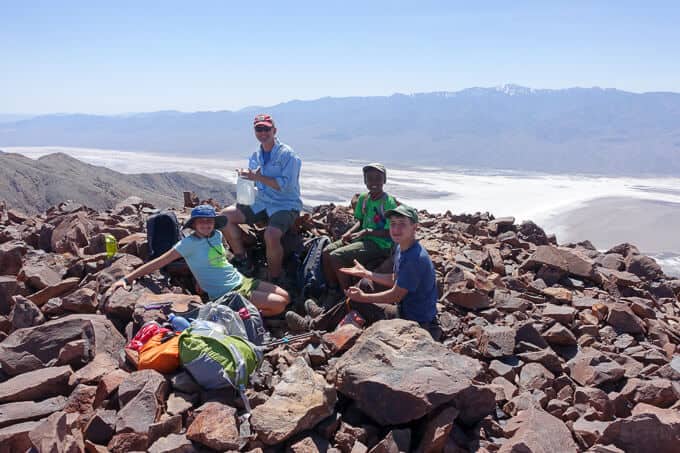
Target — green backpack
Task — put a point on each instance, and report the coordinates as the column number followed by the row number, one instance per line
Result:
column 219, row 362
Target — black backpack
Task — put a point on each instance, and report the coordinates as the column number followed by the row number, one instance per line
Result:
column 311, row 280
column 162, row 232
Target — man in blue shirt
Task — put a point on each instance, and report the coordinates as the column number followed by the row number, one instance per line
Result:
column 275, row 168
column 412, row 292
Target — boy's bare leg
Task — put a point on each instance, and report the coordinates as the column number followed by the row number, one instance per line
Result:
column 270, row 299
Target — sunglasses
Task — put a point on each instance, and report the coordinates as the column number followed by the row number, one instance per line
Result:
column 262, row 128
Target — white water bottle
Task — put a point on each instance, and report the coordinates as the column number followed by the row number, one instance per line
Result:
column 245, row 191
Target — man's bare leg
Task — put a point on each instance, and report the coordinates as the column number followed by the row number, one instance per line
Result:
column 232, row 232
column 272, row 239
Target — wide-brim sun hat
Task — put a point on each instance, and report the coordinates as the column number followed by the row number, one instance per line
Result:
column 205, row 211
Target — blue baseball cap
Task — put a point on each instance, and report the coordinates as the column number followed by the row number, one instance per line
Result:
column 205, row 211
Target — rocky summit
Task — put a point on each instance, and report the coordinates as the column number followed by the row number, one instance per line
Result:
column 546, row 347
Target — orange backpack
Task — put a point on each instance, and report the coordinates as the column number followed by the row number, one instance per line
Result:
column 162, row 356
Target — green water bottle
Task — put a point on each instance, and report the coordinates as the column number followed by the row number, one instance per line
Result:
column 111, row 245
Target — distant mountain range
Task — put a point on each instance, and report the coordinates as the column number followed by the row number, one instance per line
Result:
column 582, row 130
column 35, row 185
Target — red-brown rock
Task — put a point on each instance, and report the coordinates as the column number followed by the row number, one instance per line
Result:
column 36, row 385
column 60, row 288
column 173, row 443
column 497, row 341
column 622, row 318
column 29, row 349
column 101, row 426
column 534, row 430
column 11, row 254
column 23, row 411
column 342, row 338
column 301, row 400
column 9, row 287
column 215, row 427
column 72, row 232
column 535, row 376
column 590, row 367
column 560, row 313
column 437, row 429
column 559, row 335
column 55, row 434
column 127, row 442
column 38, row 275
column 648, row 429
column 25, row 313
column 656, row 392
column 397, row 440
column 108, row 384
column 396, row 373
column 644, row 267
column 15, row 437
column 470, row 299
column 568, row 262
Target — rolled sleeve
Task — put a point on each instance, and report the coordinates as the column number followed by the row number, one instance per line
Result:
column 289, row 173
column 253, row 162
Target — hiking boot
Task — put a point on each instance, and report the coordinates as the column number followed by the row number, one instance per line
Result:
column 244, row 265
column 312, row 308
column 296, row 323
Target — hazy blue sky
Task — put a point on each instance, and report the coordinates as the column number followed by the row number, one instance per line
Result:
column 60, row 56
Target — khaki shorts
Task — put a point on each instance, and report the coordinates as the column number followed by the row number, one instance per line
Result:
column 282, row 220
column 247, row 286
column 363, row 251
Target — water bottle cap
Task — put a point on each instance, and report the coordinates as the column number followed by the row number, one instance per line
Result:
column 171, row 316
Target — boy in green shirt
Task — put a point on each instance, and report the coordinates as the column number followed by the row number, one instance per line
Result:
column 369, row 238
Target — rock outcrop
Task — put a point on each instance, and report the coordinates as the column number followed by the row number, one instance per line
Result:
column 545, row 347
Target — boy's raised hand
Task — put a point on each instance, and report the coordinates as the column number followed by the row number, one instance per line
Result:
column 354, row 293
column 356, row 271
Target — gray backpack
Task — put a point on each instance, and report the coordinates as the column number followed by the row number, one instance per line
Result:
column 249, row 314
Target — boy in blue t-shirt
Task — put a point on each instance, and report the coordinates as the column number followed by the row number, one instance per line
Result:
column 206, row 257
column 413, row 285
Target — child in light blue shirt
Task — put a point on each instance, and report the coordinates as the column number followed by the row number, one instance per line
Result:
column 206, row 257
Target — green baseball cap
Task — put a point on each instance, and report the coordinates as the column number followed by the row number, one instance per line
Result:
column 375, row 166
column 403, row 210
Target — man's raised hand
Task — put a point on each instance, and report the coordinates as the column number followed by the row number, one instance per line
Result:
column 247, row 173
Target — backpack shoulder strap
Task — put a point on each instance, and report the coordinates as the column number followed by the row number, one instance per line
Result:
column 363, row 199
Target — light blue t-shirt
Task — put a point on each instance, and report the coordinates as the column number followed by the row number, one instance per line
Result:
column 207, row 260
